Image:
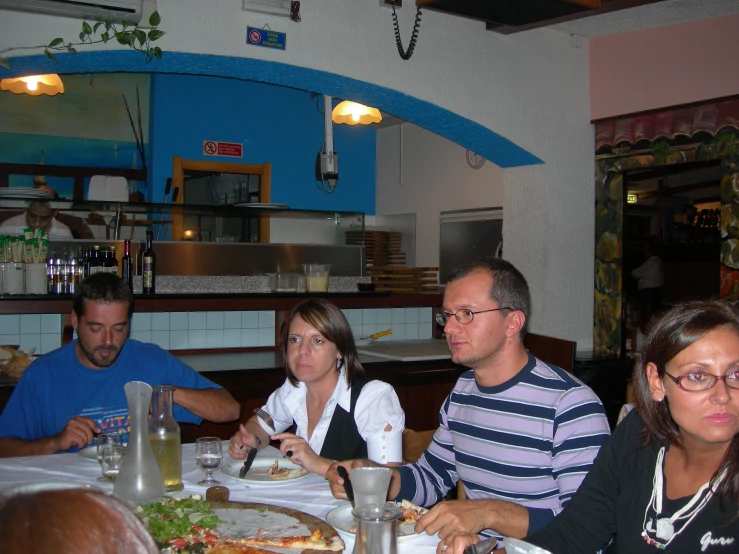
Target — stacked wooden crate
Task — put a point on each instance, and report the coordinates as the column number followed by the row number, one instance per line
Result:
column 386, row 263
column 404, row 279
column 382, row 248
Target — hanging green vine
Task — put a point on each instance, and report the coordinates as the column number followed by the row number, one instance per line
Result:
column 103, row 31
column 661, row 151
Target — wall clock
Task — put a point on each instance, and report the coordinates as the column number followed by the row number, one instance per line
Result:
column 475, row 161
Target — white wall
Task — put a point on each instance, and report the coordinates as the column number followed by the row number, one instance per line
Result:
column 531, row 88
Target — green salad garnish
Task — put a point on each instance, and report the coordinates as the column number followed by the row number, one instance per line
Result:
column 171, row 518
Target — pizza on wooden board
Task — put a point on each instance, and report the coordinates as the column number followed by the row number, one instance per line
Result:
column 188, row 526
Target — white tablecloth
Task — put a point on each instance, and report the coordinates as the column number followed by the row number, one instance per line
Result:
column 311, row 495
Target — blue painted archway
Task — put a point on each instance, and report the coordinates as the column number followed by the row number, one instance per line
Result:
column 460, row 130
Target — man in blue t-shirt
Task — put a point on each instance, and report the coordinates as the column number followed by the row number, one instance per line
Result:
column 68, row 395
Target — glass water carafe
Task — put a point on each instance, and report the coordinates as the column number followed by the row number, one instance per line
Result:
column 139, row 480
column 376, row 529
column 164, row 435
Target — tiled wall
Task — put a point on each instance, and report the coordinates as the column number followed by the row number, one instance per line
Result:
column 40, row 331
column 194, row 330
column 406, row 323
column 198, row 330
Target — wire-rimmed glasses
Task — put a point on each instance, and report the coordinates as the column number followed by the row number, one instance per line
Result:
column 700, row 381
column 463, row 316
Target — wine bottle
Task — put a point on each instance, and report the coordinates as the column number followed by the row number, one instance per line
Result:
column 148, row 265
column 126, row 265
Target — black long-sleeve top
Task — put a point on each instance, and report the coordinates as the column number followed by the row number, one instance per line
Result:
column 612, row 500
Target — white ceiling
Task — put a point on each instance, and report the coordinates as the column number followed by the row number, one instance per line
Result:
column 658, row 14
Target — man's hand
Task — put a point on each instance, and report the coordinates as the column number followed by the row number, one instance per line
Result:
column 241, row 443
column 456, row 517
column 469, row 517
column 456, row 544
column 335, row 480
column 79, row 431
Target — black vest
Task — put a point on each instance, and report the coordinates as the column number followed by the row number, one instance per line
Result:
column 343, row 441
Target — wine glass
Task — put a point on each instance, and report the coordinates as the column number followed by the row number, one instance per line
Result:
column 209, row 456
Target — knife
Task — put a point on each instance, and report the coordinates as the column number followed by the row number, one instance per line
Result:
column 482, row 547
column 249, row 461
column 348, row 489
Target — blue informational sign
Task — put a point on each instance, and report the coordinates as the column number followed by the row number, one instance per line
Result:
column 266, row 38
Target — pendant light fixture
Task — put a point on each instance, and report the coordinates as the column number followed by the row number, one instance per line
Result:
column 352, row 113
column 35, row 85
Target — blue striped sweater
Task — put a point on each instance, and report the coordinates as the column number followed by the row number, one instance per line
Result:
column 530, row 440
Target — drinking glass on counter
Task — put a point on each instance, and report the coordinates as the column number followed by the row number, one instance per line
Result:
column 209, row 456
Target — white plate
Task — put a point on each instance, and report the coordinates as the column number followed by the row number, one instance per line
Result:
column 91, row 452
column 342, row 519
column 257, row 473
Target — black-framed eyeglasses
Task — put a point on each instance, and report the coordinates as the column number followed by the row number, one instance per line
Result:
column 699, row 382
column 463, row 316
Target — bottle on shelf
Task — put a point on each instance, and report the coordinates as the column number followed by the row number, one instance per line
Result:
column 96, row 262
column 75, row 272
column 148, row 264
column 126, row 265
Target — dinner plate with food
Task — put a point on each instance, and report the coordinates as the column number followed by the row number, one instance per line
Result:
column 191, row 525
column 267, row 472
column 342, row 519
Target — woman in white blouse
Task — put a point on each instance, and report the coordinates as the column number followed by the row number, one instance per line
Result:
column 338, row 414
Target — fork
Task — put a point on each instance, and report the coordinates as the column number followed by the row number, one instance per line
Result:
column 264, row 416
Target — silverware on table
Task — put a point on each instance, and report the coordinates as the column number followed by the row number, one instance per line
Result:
column 482, row 547
column 348, row 489
column 264, row 416
column 249, row 461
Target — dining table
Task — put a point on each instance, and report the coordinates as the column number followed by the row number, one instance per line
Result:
column 311, row 494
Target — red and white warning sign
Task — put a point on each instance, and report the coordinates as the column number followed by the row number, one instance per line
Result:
column 218, row 148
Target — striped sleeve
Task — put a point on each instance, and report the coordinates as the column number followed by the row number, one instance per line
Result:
column 580, row 429
column 428, row 480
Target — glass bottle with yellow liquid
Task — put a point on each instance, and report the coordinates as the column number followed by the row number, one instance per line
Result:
column 164, row 435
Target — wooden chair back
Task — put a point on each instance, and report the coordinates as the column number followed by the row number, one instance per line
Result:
column 559, row 352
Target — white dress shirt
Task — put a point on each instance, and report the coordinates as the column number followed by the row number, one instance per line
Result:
column 376, row 406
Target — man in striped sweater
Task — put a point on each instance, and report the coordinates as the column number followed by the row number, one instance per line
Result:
column 519, row 434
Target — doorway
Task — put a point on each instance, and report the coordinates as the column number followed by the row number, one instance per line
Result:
column 671, row 212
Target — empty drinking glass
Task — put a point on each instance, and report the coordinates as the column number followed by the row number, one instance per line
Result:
column 111, row 459
column 109, row 437
column 370, row 484
column 209, row 456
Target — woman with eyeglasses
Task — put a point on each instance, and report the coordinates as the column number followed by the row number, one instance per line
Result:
column 668, row 478
column 327, row 409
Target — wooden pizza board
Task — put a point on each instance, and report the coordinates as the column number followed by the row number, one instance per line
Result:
column 254, row 512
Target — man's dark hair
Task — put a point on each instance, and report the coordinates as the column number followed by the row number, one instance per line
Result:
column 105, row 288
column 509, row 289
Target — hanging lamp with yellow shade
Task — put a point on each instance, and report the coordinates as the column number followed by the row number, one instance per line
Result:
column 351, row 113
column 35, row 85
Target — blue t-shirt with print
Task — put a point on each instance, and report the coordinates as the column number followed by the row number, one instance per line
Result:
column 57, row 387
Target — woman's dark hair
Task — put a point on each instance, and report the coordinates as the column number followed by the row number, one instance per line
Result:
column 71, row 521
column 105, row 288
column 669, row 335
column 328, row 320
column 509, row 288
